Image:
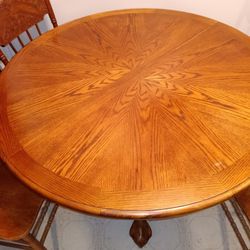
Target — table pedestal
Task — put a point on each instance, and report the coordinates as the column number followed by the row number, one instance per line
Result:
column 140, row 232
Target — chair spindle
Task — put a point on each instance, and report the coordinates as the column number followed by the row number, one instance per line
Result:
column 20, row 41
column 29, row 35
column 13, row 48
column 38, row 29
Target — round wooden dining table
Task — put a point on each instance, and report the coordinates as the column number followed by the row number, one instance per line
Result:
column 135, row 114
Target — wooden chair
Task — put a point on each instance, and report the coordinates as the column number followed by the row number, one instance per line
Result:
column 241, row 205
column 19, row 21
column 22, row 212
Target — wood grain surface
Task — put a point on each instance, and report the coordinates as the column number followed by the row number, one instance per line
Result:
column 132, row 114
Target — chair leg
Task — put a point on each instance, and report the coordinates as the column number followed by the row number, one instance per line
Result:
column 49, row 223
column 40, row 218
column 234, row 226
column 241, row 217
column 34, row 243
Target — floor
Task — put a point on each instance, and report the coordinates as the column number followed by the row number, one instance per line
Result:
column 205, row 230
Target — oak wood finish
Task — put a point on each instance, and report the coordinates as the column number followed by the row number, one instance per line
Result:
column 19, row 207
column 16, row 16
column 51, row 13
column 140, row 232
column 130, row 114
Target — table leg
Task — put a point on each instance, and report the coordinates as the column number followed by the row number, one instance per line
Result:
column 140, row 232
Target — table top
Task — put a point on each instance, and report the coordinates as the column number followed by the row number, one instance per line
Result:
column 130, row 114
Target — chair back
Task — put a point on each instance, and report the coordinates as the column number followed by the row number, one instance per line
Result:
column 18, row 17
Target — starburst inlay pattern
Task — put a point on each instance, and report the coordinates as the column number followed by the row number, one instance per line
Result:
column 133, row 111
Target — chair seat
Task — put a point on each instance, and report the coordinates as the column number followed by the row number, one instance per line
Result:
column 243, row 199
column 19, row 206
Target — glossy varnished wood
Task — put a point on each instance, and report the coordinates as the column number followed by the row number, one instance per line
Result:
column 134, row 114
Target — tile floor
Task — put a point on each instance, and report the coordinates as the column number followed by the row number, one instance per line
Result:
column 205, row 230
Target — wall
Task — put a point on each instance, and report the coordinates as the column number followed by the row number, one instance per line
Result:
column 233, row 12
